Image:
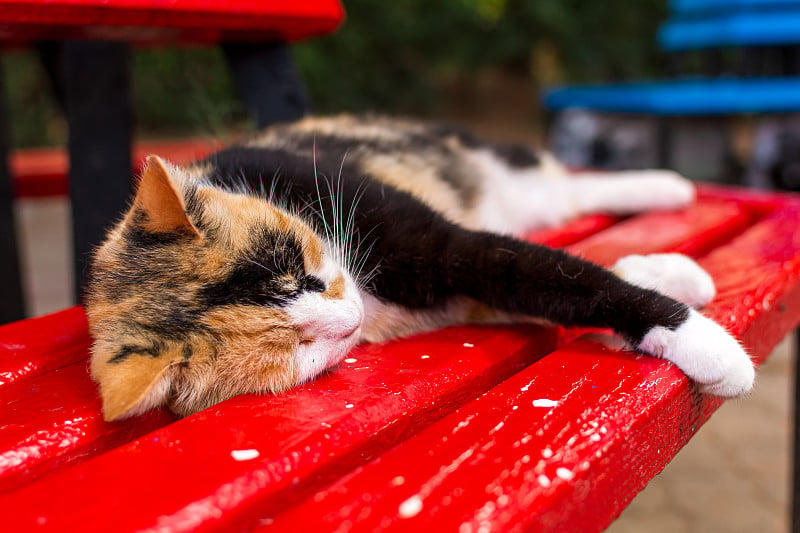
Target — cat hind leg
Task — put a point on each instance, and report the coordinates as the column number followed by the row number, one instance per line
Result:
column 630, row 192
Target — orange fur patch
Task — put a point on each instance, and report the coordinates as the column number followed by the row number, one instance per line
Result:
column 335, row 289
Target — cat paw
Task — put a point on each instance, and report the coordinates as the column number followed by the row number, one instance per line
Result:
column 673, row 275
column 706, row 353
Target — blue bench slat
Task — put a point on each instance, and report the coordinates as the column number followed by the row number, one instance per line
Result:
column 684, row 97
column 744, row 28
column 696, row 6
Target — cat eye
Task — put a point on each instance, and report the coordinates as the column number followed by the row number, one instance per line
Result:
column 312, row 284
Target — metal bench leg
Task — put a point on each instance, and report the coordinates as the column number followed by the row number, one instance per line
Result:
column 12, row 306
column 796, row 469
column 96, row 82
column 267, row 81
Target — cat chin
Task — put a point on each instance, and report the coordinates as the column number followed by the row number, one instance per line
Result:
column 313, row 358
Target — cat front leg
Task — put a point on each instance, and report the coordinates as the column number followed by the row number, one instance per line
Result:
column 701, row 348
column 550, row 284
column 705, row 352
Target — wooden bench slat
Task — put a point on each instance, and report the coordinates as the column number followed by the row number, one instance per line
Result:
column 176, row 20
column 46, row 425
column 689, row 231
column 32, row 347
column 309, row 435
column 573, row 231
column 569, row 440
column 40, row 172
column 305, row 438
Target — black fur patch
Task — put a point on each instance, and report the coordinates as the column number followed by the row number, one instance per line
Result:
column 128, row 350
column 421, row 260
column 261, row 277
column 516, row 155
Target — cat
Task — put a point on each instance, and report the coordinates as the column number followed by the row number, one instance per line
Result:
column 263, row 265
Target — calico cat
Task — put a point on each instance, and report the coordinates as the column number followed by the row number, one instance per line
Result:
column 258, row 268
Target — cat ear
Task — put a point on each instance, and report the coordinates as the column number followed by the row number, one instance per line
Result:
column 133, row 380
column 161, row 202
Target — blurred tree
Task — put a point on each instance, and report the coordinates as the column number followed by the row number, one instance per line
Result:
column 391, row 56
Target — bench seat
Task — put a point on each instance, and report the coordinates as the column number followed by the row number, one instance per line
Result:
column 42, row 172
column 148, row 21
column 735, row 26
column 507, row 426
column 683, row 97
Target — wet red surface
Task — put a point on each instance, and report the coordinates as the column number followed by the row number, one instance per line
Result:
column 167, row 20
column 514, row 426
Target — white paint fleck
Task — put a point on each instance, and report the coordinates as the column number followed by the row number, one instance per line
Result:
column 468, row 345
column 348, row 406
column 543, row 480
column 514, row 407
column 595, row 437
column 350, row 360
column 398, row 480
column 547, row 453
column 425, row 357
column 411, row 507
column 502, row 500
column 565, row 473
column 244, row 455
column 544, row 402
column 499, row 426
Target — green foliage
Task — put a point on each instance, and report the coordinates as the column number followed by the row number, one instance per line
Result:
column 392, row 56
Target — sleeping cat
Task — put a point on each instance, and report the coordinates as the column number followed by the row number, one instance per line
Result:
column 263, row 265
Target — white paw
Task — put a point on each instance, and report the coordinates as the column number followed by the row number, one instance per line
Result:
column 673, row 275
column 706, row 353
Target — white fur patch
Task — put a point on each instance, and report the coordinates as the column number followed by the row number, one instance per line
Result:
column 631, row 192
column 673, row 275
column 706, row 353
column 331, row 327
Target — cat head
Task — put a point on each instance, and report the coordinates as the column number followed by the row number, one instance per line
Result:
column 200, row 294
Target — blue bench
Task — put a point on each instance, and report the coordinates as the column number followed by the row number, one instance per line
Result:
column 767, row 32
column 757, row 28
column 719, row 23
column 685, row 97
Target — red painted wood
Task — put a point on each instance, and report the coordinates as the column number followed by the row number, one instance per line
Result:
column 184, row 475
column 168, row 20
column 692, row 231
column 309, row 435
column 573, row 231
column 32, row 347
column 566, row 443
column 42, row 172
column 46, row 425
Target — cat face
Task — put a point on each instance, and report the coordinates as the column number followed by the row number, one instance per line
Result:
column 201, row 294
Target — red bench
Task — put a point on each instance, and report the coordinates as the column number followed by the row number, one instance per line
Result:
column 43, row 172
column 515, row 427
